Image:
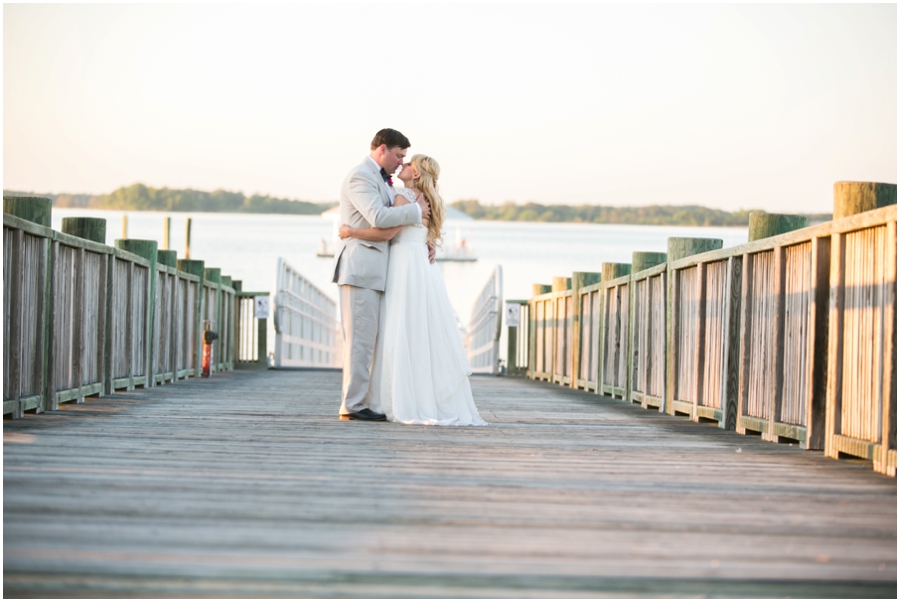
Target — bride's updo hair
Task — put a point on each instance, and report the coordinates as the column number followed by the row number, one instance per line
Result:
column 429, row 171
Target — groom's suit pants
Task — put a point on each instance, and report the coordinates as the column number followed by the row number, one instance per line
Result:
column 360, row 309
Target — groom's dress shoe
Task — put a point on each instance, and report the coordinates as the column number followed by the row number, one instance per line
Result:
column 363, row 414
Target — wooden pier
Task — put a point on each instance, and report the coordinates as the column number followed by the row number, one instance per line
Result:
column 249, row 485
column 790, row 336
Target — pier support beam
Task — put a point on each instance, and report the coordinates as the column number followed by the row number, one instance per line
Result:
column 765, row 225
column 540, row 289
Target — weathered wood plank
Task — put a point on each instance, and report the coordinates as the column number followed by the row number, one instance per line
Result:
column 247, row 484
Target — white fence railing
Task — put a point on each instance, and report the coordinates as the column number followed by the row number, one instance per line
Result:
column 307, row 331
column 483, row 333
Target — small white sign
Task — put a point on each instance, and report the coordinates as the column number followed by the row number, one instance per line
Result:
column 261, row 307
column 512, row 314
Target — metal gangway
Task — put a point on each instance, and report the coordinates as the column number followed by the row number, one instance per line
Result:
column 307, row 329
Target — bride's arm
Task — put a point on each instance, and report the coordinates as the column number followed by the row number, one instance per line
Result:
column 369, row 234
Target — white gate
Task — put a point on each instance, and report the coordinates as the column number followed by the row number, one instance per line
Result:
column 307, row 331
column 483, row 333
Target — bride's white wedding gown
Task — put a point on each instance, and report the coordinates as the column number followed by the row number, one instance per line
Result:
column 421, row 372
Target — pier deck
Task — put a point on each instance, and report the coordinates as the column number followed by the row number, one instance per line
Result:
column 248, row 485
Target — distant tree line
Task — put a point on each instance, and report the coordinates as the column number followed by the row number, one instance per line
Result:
column 139, row 197
column 650, row 215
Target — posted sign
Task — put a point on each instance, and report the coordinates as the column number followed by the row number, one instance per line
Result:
column 261, row 307
column 512, row 314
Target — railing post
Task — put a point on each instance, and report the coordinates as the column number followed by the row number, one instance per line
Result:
column 579, row 281
column 561, row 284
column 640, row 261
column 214, row 275
column 90, row 228
column 610, row 271
column 37, row 210
column 679, row 248
column 764, row 225
column 196, row 267
column 34, row 209
column 146, row 249
column 851, row 198
column 169, row 259
column 536, row 291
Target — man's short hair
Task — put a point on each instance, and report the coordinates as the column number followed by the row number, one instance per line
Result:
column 390, row 138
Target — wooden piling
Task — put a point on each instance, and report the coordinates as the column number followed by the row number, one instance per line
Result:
column 560, row 283
column 90, row 228
column 187, row 238
column 167, row 258
column 540, row 289
column 37, row 210
column 146, row 249
column 610, row 271
column 764, row 225
column 124, row 226
column 679, row 248
column 579, row 281
column 196, row 267
column 643, row 260
column 851, row 198
column 167, row 230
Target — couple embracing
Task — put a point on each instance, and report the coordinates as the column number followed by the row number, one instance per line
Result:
column 403, row 353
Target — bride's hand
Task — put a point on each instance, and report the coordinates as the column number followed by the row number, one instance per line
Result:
column 344, row 232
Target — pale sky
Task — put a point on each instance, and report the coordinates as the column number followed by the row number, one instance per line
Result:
column 761, row 106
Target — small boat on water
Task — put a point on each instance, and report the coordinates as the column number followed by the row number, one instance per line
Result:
column 460, row 251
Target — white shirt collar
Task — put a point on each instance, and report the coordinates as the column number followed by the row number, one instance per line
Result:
column 377, row 166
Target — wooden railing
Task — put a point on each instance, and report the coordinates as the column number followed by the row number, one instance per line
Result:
column 648, row 330
column 83, row 318
column 307, row 333
column 790, row 336
column 483, row 332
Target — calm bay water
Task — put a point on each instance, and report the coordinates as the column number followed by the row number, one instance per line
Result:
column 247, row 247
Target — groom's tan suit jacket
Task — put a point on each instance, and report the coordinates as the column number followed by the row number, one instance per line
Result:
column 366, row 203
column 360, row 268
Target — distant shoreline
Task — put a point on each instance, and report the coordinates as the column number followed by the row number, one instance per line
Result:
column 139, row 197
column 648, row 215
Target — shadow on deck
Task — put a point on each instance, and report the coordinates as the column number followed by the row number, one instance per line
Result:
column 249, row 485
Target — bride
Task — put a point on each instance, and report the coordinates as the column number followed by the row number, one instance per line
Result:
column 421, row 371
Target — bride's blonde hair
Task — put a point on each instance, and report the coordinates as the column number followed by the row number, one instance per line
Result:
column 429, row 171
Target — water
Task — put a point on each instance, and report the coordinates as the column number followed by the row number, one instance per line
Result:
column 247, row 247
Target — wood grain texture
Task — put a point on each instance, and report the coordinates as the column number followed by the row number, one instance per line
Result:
column 248, row 485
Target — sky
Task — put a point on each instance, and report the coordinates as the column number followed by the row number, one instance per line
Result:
column 732, row 107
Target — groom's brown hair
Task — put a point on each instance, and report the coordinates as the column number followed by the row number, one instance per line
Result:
column 390, row 138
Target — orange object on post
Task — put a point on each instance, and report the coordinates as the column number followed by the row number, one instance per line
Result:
column 208, row 337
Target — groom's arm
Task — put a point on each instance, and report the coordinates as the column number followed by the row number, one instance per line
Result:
column 365, row 196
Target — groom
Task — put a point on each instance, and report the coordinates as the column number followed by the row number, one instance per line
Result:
column 360, row 267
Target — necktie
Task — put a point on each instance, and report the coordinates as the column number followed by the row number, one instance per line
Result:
column 386, row 177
